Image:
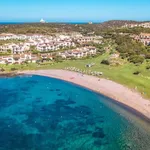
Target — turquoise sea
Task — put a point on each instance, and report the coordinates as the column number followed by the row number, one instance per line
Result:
column 41, row 113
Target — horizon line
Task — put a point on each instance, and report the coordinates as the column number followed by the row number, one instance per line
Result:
column 69, row 22
column 90, row 20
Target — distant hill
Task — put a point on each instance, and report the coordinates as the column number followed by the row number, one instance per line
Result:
column 49, row 28
column 118, row 23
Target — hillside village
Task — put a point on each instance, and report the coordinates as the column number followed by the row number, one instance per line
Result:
column 132, row 25
column 17, row 48
column 73, row 45
column 144, row 38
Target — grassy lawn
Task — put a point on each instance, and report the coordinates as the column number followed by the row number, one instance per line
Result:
column 121, row 74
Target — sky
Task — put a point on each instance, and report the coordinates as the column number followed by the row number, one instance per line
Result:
column 73, row 10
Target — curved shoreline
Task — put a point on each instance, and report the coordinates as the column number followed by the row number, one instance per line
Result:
column 117, row 92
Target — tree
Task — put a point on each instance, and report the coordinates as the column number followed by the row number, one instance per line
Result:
column 2, row 69
column 136, row 59
column 147, row 56
column 58, row 58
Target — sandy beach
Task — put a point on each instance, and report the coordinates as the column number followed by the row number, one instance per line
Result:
column 106, row 87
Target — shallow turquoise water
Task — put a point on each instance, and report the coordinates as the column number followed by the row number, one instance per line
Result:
column 41, row 113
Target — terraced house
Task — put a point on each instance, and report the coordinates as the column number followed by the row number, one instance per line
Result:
column 79, row 52
column 52, row 46
column 144, row 38
column 18, row 59
column 5, row 36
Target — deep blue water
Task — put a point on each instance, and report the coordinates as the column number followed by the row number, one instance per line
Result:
column 41, row 113
column 11, row 23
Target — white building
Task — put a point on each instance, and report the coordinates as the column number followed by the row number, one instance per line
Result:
column 53, row 46
column 144, row 38
column 8, row 36
column 79, row 52
column 19, row 48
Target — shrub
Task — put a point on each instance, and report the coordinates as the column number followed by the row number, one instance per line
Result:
column 2, row 69
column 148, row 67
column 147, row 56
column 106, row 62
column 13, row 69
column 58, row 59
column 136, row 72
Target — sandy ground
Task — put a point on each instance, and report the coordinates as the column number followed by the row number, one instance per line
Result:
column 108, row 88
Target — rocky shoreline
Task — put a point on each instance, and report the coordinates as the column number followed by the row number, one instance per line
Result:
column 9, row 74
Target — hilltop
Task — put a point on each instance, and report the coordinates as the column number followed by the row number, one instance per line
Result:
column 118, row 23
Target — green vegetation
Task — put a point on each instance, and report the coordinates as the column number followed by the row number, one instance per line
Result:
column 130, row 49
column 2, row 42
column 50, row 28
column 135, row 30
column 5, row 54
